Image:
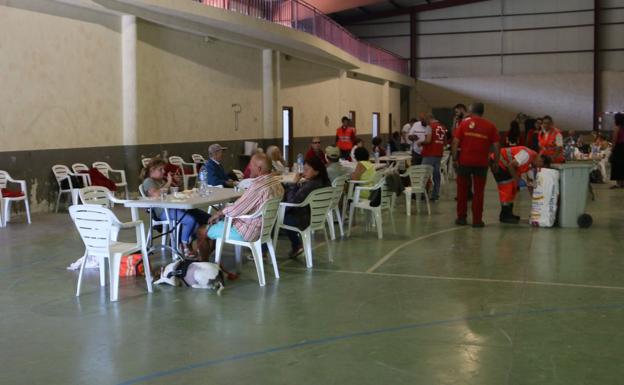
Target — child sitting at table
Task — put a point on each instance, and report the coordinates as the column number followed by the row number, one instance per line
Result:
column 154, row 180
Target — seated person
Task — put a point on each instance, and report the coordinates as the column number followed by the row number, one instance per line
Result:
column 216, row 173
column 358, row 143
column 334, row 168
column 275, row 156
column 364, row 170
column 395, row 141
column 315, row 175
column 247, row 171
column 378, row 147
column 265, row 186
column 154, row 180
column 315, row 150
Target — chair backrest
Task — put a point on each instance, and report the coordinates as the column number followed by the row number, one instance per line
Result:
column 145, row 162
column 62, row 172
column 176, row 160
column 198, row 158
column 4, row 176
column 239, row 174
column 102, row 167
column 142, row 192
column 78, row 168
column 95, row 195
column 386, row 194
column 94, row 223
column 320, row 201
column 338, row 184
column 269, row 217
column 419, row 176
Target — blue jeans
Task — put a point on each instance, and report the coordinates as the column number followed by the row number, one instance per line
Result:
column 189, row 224
column 435, row 162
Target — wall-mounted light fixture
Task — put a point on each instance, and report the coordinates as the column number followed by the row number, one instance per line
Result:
column 237, row 110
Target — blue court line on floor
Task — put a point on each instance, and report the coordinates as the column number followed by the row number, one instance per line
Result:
column 328, row 340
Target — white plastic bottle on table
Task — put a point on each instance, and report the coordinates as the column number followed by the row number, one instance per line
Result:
column 203, row 180
column 376, row 157
column 299, row 163
column 388, row 149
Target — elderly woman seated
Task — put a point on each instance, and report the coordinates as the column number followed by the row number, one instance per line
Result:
column 275, row 156
column 364, row 170
column 315, row 176
column 156, row 179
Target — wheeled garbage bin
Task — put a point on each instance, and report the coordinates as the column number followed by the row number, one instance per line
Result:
column 573, row 187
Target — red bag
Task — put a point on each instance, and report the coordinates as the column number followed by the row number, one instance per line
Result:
column 131, row 265
column 98, row 179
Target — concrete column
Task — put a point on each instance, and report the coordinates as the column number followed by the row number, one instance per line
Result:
column 129, row 79
column 271, row 114
column 129, row 97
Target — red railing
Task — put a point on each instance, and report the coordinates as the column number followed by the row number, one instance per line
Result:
column 301, row 16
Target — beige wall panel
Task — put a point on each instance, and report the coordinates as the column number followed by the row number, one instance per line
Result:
column 612, row 95
column 60, row 81
column 566, row 97
column 314, row 93
column 320, row 97
column 186, row 88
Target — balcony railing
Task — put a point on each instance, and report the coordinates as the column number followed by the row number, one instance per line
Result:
column 298, row 15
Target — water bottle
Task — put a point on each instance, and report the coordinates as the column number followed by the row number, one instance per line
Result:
column 376, row 157
column 388, row 149
column 299, row 163
column 203, row 180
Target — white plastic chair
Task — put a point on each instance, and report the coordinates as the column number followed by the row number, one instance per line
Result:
column 198, row 158
column 419, row 176
column 145, row 162
column 94, row 223
column 268, row 213
column 338, row 184
column 364, row 204
column 63, row 173
column 320, row 201
column 184, row 166
column 106, row 170
column 444, row 167
column 82, row 170
column 5, row 202
column 239, row 174
column 157, row 222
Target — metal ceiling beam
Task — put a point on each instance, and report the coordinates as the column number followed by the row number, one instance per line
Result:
column 397, row 6
column 597, row 97
column 408, row 10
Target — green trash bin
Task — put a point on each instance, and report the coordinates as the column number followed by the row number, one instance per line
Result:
column 573, row 187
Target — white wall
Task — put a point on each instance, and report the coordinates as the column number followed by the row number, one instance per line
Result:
column 55, row 78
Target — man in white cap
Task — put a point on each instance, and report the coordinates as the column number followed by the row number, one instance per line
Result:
column 216, row 172
column 334, row 168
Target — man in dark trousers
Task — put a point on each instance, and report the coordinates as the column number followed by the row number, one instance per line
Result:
column 476, row 137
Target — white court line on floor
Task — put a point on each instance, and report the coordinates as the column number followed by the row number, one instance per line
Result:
column 446, row 278
column 386, row 257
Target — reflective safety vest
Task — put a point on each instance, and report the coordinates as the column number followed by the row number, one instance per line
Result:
column 548, row 145
column 344, row 138
column 508, row 154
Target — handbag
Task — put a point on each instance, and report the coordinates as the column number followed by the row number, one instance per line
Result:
column 131, row 265
column 375, row 198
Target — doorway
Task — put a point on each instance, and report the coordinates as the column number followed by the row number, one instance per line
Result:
column 287, row 134
column 375, row 124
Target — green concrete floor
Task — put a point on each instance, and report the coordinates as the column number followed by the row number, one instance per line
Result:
column 430, row 304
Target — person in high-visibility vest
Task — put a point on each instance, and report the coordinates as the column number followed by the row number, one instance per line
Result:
column 345, row 138
column 550, row 141
column 513, row 163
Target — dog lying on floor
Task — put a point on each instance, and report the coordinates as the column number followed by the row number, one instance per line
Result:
column 198, row 275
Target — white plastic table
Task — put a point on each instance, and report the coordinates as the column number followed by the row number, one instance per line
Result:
column 183, row 201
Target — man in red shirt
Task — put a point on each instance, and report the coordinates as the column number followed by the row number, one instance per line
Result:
column 475, row 136
column 345, row 138
column 433, row 149
column 315, row 150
